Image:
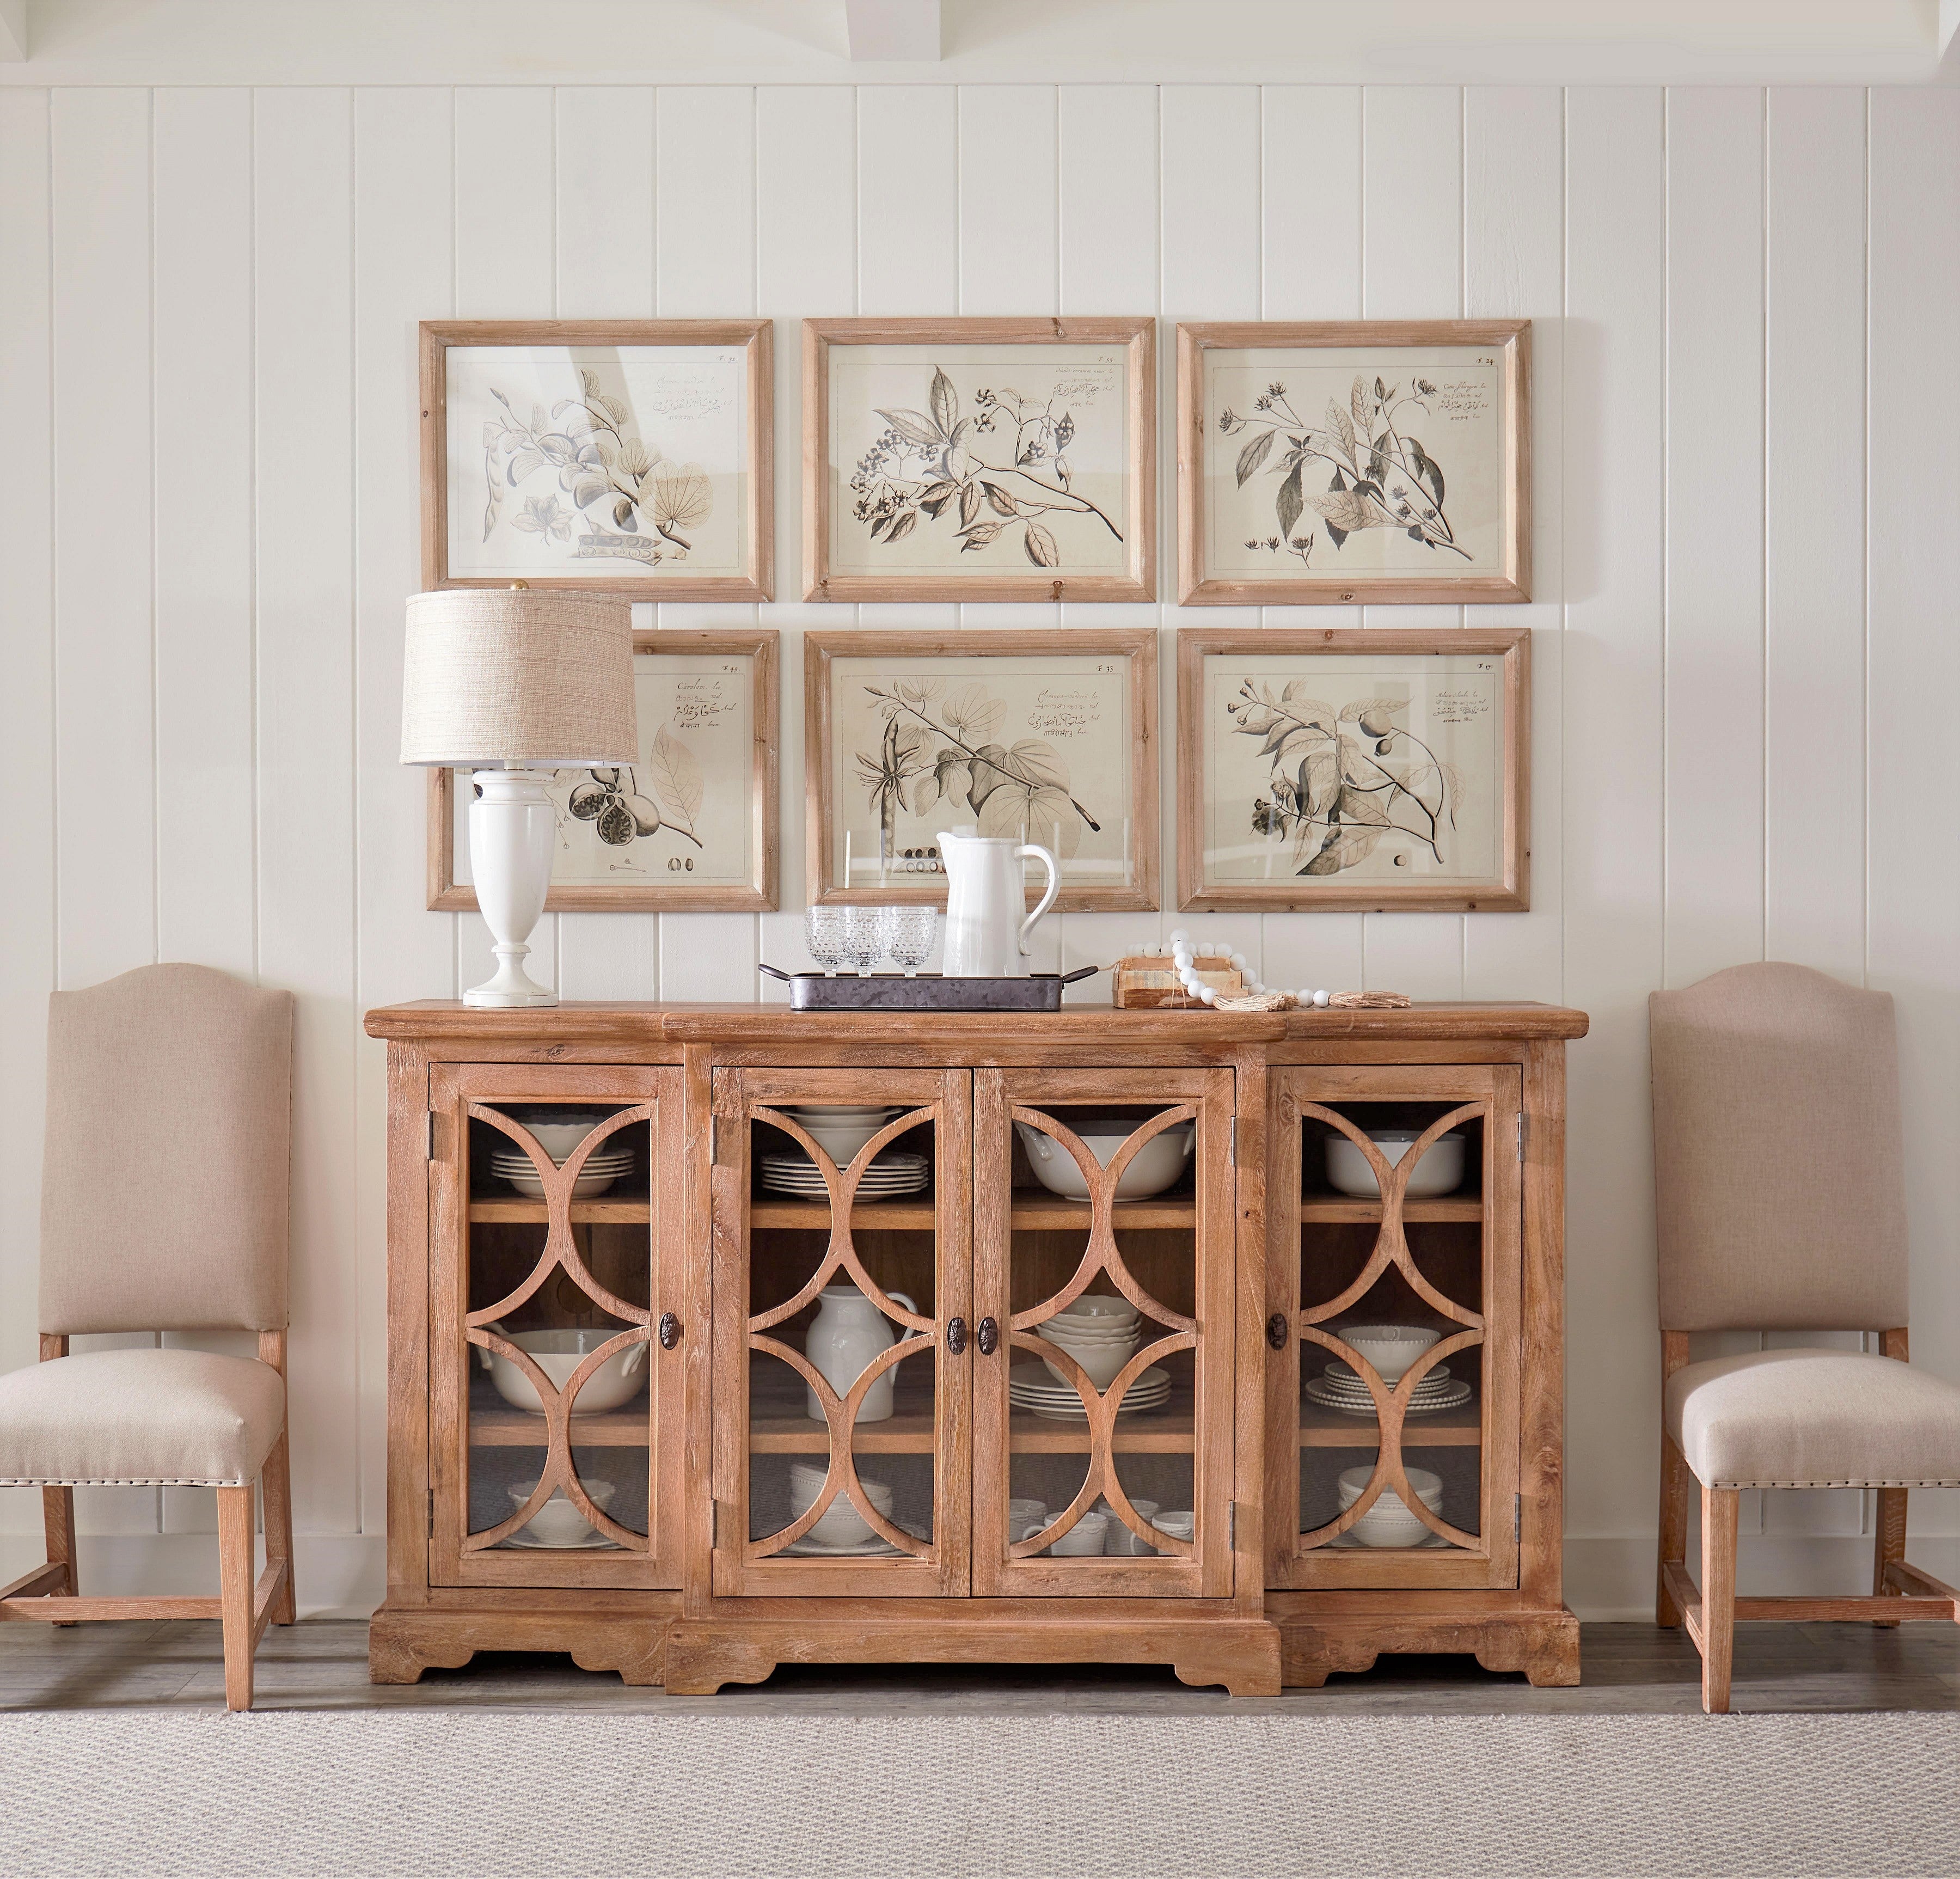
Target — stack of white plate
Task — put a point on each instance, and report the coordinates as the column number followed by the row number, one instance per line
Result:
column 890, row 1174
column 1029, row 1387
column 1338, row 1387
column 1100, row 1331
column 602, row 1167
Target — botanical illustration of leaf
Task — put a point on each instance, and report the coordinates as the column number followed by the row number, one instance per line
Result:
column 914, row 426
column 492, row 430
column 537, row 418
column 973, row 714
column 588, row 489
column 1363, row 411
column 1044, row 815
column 1288, row 504
column 935, row 496
column 589, row 380
column 953, row 775
column 1361, row 805
column 1040, row 545
column 1257, row 722
column 945, row 402
column 1338, row 422
column 919, row 691
column 1254, row 454
column 1035, row 760
column 1426, row 468
column 969, row 505
column 1350, row 511
column 998, row 499
column 675, row 773
column 522, row 464
column 1311, row 709
column 683, row 495
column 1367, row 707
column 979, row 535
column 489, row 515
column 613, row 409
column 1319, row 783
column 1343, row 848
column 907, row 521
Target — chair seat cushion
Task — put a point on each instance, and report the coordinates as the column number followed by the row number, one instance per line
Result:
column 1815, row 1418
column 144, row 1417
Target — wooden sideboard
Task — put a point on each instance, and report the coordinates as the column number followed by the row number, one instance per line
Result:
column 729, row 1510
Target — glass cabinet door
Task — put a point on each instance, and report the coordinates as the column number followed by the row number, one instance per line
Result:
column 1103, row 1224
column 842, row 1272
column 552, row 1193
column 1393, row 1218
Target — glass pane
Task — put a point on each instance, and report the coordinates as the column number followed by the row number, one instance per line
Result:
column 1390, row 1319
column 565, row 1320
column 842, row 1331
column 1084, row 1344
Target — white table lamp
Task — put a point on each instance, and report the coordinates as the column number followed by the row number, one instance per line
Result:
column 513, row 683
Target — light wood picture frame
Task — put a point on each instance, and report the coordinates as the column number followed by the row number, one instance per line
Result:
column 697, row 832
column 1049, row 737
column 980, row 459
column 629, row 457
column 1334, row 462
column 1381, row 771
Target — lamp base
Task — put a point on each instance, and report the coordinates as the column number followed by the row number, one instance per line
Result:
column 513, row 827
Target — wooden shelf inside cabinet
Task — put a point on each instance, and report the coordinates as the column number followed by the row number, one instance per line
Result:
column 1050, row 1213
column 1340, row 1210
column 626, row 1209
column 1328, row 1428
column 777, row 1428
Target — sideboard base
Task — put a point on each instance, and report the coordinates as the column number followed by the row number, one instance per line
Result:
column 1321, row 1632
column 403, row 1643
column 1242, row 1653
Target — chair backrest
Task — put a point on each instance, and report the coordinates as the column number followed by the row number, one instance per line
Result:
column 164, row 1178
column 1778, row 1168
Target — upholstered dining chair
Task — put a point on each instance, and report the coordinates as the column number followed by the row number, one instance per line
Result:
column 162, row 1208
column 1778, row 1172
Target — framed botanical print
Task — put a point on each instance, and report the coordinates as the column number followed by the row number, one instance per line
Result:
column 979, row 460
column 1382, row 770
column 1046, row 737
column 692, row 826
column 1381, row 460
column 611, row 455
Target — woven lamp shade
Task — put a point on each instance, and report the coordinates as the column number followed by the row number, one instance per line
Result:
column 511, row 676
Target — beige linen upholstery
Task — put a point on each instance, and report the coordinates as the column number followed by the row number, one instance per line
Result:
column 164, row 1187
column 1815, row 1418
column 1778, row 1168
column 144, row 1419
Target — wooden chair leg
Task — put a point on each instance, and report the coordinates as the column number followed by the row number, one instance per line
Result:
column 277, row 1483
column 235, row 1562
column 57, row 1519
column 1720, row 1507
column 1889, row 1548
column 1676, row 1484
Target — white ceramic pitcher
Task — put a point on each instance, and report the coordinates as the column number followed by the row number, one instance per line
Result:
column 847, row 1336
column 986, row 937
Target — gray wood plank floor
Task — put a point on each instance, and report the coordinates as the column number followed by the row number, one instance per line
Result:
column 1627, row 1668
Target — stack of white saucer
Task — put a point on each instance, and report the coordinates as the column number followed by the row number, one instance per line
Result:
column 602, row 1167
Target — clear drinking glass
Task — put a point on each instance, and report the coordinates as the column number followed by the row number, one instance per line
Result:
column 863, row 942
column 907, row 934
column 823, row 936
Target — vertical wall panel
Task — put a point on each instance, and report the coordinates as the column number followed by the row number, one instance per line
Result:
column 26, row 720
column 1615, row 271
column 404, row 271
column 303, row 331
column 907, row 199
column 1412, row 233
column 1107, row 141
column 1514, row 267
column 1714, row 781
column 603, row 233
column 1008, row 241
column 1210, row 181
column 204, row 421
column 1814, row 729
column 1912, row 580
column 105, row 746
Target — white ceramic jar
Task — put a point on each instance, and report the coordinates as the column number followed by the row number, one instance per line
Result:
column 848, row 1334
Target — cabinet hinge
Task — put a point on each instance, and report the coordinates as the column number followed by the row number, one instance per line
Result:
column 1232, row 1524
column 715, row 1141
column 428, row 1136
column 713, row 1525
column 432, row 1513
column 1233, row 1155
column 1517, row 1516
column 1524, row 1133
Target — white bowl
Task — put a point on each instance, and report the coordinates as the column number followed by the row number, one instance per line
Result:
column 840, row 1524
column 1098, row 1308
column 1391, row 1349
column 1100, row 1362
column 558, row 1522
column 1154, row 1167
column 1440, row 1170
column 1180, row 1525
column 558, row 1353
column 1372, row 1531
column 1087, row 1536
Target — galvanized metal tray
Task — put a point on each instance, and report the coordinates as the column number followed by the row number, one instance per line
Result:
column 926, row 991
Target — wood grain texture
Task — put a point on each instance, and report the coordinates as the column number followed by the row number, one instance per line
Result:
column 1508, row 892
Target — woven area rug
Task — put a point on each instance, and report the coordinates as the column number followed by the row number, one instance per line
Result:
column 541, row 1794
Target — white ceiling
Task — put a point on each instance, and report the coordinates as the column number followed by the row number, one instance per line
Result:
column 1484, row 42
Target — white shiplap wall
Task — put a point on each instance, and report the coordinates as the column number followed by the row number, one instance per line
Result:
column 1747, row 552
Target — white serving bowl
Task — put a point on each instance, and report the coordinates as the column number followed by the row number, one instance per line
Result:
column 1440, row 1170
column 558, row 1353
column 1100, row 1361
column 840, row 1524
column 584, row 1187
column 558, row 1522
column 1155, row 1166
column 1099, row 1308
column 1391, row 1349
column 839, row 1132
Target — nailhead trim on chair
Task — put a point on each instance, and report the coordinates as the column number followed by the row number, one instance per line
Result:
column 1726, row 1485
column 99, row 1481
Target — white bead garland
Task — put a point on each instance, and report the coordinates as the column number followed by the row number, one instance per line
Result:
column 1184, row 955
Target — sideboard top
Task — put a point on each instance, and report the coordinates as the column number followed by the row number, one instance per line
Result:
column 775, row 1025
